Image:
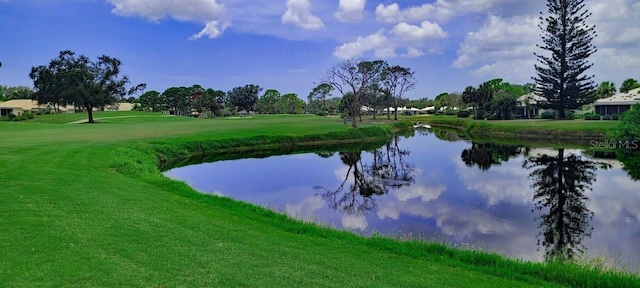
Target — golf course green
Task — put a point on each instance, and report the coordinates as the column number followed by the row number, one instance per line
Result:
column 87, row 205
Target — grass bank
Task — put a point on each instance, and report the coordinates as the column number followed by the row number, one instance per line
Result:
column 527, row 129
column 87, row 205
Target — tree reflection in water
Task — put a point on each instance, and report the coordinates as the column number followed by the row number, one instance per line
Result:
column 560, row 183
column 485, row 155
column 388, row 170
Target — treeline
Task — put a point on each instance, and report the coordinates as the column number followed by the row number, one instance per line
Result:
column 199, row 101
column 17, row 92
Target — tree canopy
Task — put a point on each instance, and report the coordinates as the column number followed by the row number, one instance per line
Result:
column 629, row 85
column 244, row 97
column 75, row 79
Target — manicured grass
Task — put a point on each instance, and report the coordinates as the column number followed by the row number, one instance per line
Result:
column 85, row 205
column 526, row 128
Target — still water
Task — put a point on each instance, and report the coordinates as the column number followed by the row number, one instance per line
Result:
column 487, row 196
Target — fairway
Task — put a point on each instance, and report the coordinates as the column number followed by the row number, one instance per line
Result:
column 71, row 217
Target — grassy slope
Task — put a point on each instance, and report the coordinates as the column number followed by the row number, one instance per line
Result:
column 68, row 218
column 527, row 129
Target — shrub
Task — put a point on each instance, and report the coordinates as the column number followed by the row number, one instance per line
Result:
column 571, row 116
column 615, row 116
column 28, row 115
column 591, row 116
column 607, row 117
column 431, row 111
column 548, row 115
column 463, row 114
column 450, row 112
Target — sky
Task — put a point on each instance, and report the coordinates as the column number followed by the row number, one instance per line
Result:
column 288, row 45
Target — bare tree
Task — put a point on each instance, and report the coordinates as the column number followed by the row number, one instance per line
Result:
column 351, row 77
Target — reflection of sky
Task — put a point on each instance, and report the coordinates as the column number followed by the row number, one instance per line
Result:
column 448, row 202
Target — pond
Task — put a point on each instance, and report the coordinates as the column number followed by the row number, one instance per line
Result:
column 487, row 196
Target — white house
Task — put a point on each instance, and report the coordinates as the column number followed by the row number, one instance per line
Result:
column 618, row 103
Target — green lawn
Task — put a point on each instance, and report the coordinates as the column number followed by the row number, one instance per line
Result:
column 71, row 215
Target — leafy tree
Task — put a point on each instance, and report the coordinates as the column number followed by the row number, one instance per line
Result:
column 629, row 85
column 567, row 38
column 214, row 101
column 321, row 92
column 351, row 77
column 152, row 101
column 397, row 80
column 270, row 103
column 292, row 104
column 627, row 138
column 244, row 97
column 72, row 79
column 177, row 99
column 18, row 92
column 377, row 99
column 606, row 90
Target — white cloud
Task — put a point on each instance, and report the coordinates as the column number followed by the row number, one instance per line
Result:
column 298, row 14
column 499, row 39
column 412, row 53
column 412, row 33
column 350, row 10
column 392, row 13
column 208, row 12
column 376, row 42
column 439, row 11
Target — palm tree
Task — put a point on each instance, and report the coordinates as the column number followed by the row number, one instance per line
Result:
column 606, row 90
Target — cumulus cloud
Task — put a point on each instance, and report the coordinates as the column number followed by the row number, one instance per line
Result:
column 208, row 12
column 350, row 10
column 298, row 14
column 377, row 42
column 440, row 11
column 501, row 45
column 412, row 53
column 413, row 33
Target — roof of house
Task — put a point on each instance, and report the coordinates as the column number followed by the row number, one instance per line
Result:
column 24, row 104
column 532, row 97
column 629, row 98
column 28, row 105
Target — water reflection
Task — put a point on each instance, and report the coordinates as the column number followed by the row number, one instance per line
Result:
column 468, row 194
column 485, row 155
column 388, row 170
column 560, row 183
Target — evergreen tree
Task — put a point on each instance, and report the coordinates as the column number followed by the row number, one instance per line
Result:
column 567, row 40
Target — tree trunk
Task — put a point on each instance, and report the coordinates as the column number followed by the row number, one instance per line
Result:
column 90, row 113
column 388, row 113
column 395, row 114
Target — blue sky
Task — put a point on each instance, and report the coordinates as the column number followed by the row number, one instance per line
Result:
column 288, row 44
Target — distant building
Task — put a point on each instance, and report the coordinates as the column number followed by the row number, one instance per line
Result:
column 618, row 103
column 19, row 106
column 528, row 106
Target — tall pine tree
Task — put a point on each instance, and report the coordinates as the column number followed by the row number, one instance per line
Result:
column 567, row 41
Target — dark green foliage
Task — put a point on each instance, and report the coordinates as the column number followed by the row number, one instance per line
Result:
column 628, row 129
column 628, row 85
column 71, row 79
column 464, row 114
column 591, row 116
column 152, row 101
column 320, row 94
column 548, row 115
column 567, row 43
column 244, row 98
